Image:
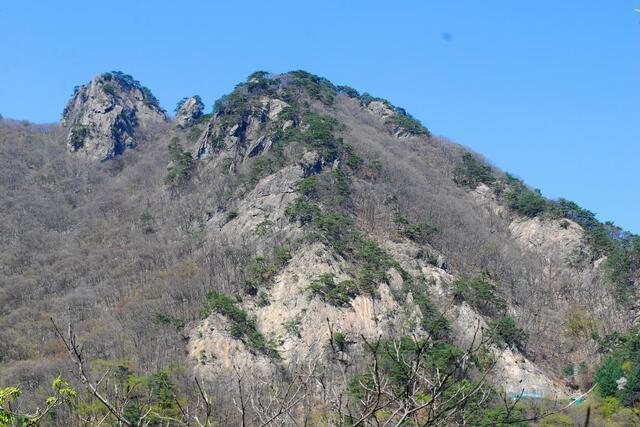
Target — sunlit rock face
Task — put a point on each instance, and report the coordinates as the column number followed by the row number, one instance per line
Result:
column 103, row 116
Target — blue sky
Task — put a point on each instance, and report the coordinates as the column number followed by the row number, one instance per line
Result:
column 547, row 90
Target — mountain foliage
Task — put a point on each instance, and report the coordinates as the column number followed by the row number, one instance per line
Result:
column 304, row 254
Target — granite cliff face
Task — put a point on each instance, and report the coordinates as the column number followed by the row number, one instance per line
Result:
column 104, row 115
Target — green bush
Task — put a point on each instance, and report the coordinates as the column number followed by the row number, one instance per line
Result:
column 528, row 203
column 339, row 341
column 336, row 228
column 406, row 123
column 316, row 87
column 308, row 186
column 319, row 133
column 315, row 131
column 349, row 91
column 262, row 228
column 366, row 98
column 292, row 326
column 568, row 370
column 341, row 182
column 147, row 222
column 302, row 210
column 624, row 360
column 631, row 394
column 149, row 97
column 182, row 166
column 470, row 173
column 163, row 389
column 261, row 82
column 433, row 321
column 340, row 233
column 241, row 326
column 523, row 200
column 607, row 375
column 263, row 269
column 480, row 294
column 622, row 267
column 281, row 256
column 164, row 319
column 225, row 165
column 338, row 294
column 290, row 112
column 77, row 136
column 505, row 330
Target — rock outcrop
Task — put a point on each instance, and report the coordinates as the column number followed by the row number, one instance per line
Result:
column 103, row 116
column 243, row 136
column 189, row 112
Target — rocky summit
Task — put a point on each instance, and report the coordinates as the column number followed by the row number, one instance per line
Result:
column 303, row 254
column 188, row 111
column 103, row 116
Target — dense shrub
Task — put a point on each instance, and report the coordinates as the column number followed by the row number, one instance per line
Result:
column 318, row 133
column 407, row 124
column 77, row 135
column 479, row 293
column 371, row 260
column 261, row 82
column 526, row 202
column 366, row 98
column 622, row 267
column 264, row 268
column 241, row 325
column 623, row 361
column 316, row 87
column 339, row 341
column 505, row 330
column 433, row 321
column 339, row 294
column 182, row 165
column 607, row 375
column 308, row 186
column 470, row 173
column 349, row 91
column 302, row 210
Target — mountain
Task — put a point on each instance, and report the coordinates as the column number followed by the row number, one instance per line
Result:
column 308, row 254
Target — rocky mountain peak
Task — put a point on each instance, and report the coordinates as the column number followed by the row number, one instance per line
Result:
column 188, row 111
column 305, row 225
column 103, row 115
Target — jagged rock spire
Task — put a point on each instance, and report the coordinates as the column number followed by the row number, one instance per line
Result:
column 189, row 110
column 103, row 115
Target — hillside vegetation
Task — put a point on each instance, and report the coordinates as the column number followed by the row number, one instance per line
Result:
column 304, row 254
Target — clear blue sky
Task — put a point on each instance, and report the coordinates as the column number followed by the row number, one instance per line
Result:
column 548, row 90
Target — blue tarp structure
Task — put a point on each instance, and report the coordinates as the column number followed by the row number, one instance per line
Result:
column 525, row 395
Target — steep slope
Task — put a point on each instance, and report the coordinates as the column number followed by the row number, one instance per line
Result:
column 293, row 227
